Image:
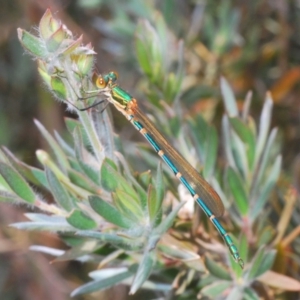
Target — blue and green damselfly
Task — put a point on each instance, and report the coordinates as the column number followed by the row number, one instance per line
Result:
column 201, row 191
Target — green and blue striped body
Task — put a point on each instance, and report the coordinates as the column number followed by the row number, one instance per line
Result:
column 200, row 190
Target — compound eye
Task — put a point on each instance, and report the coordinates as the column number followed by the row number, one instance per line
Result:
column 100, row 82
column 113, row 76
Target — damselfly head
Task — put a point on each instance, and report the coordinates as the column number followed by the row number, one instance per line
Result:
column 111, row 77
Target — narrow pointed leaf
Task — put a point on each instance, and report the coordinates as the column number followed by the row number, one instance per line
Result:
column 210, row 152
column 264, row 125
column 216, row 269
column 228, row 98
column 111, row 180
column 143, row 272
column 58, row 87
column 32, row 44
column 90, row 172
column 109, row 213
column 266, row 189
column 102, row 284
column 80, row 220
column 127, row 205
column 152, row 209
column 246, row 136
column 17, row 183
column 34, row 175
column 9, row 197
column 216, row 289
column 83, row 182
column 261, row 263
column 250, row 294
column 55, row 40
column 42, row 222
column 59, row 154
column 168, row 221
column 235, row 293
column 59, row 192
column 238, row 191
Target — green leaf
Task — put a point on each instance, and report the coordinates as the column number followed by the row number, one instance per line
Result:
column 267, row 262
column 246, row 136
column 48, row 24
column 226, row 131
column 109, row 177
column 211, row 147
column 8, row 197
column 216, row 269
column 152, row 207
column 243, row 248
column 114, row 239
column 111, row 180
column 32, row 44
column 228, row 98
column 76, row 252
column 145, row 178
column 80, row 220
column 181, row 251
column 109, row 278
column 42, row 222
column 238, row 191
column 72, row 124
column 264, row 126
column 142, row 48
column 34, row 175
column 83, row 182
column 265, row 190
column 104, row 128
column 59, row 192
column 160, row 191
column 265, row 160
column 266, row 235
column 90, row 172
column 168, row 221
column 59, row 154
column 216, row 289
column 109, row 213
column 17, row 183
column 59, row 88
column 128, row 206
column 261, row 263
column 235, row 293
column 56, row 39
column 236, row 267
column 143, row 272
column 250, row 294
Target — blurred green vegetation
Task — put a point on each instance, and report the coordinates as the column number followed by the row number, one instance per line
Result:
column 253, row 44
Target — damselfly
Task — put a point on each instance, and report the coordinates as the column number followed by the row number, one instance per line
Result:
column 201, row 191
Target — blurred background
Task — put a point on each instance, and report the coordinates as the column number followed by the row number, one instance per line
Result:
column 255, row 45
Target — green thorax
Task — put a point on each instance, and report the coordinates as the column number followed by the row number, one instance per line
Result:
column 120, row 95
column 117, row 93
